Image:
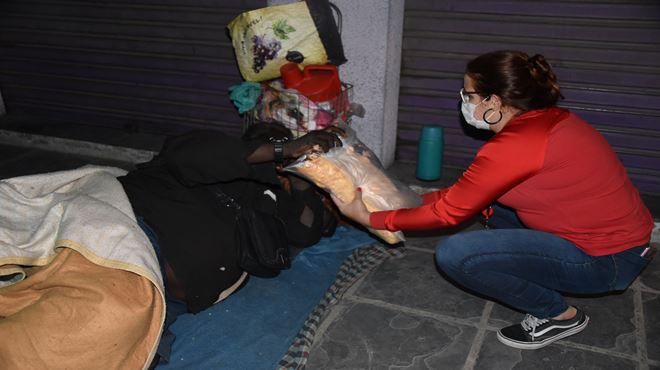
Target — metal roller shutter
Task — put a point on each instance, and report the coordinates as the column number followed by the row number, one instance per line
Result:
column 159, row 66
column 606, row 54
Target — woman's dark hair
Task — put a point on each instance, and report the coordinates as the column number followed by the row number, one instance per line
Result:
column 521, row 81
column 264, row 131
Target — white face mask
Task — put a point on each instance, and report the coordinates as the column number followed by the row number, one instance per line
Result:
column 468, row 113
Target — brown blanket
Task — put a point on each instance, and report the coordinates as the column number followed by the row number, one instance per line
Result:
column 74, row 314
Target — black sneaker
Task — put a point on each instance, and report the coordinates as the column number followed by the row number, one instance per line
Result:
column 534, row 333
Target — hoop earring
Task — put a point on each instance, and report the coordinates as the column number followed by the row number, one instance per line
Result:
column 489, row 122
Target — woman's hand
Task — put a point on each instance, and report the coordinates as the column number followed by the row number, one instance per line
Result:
column 355, row 209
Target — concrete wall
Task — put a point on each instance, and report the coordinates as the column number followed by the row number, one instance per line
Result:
column 372, row 33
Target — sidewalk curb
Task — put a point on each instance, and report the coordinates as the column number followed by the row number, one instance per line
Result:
column 79, row 147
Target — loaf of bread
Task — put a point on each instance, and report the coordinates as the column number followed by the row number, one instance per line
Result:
column 342, row 170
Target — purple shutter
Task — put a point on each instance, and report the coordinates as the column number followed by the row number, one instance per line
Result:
column 159, row 66
column 606, row 56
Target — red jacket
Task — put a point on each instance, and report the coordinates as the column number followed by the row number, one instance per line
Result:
column 557, row 172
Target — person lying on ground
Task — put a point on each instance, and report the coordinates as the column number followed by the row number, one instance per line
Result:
column 193, row 235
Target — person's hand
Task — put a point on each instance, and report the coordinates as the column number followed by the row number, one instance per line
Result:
column 355, row 209
column 318, row 140
column 298, row 183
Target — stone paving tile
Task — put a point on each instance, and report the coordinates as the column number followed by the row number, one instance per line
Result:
column 372, row 337
column 650, row 277
column 413, row 281
column 429, row 240
column 496, row 356
column 611, row 326
column 425, row 240
column 651, row 304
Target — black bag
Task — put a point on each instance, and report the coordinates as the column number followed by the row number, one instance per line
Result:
column 263, row 248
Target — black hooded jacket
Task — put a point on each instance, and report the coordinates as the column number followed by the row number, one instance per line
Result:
column 197, row 236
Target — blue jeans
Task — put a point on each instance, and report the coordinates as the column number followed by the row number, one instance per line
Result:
column 173, row 306
column 527, row 269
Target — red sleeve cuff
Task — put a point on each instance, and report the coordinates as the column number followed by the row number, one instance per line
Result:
column 377, row 219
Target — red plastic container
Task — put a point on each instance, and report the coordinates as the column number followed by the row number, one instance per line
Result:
column 318, row 83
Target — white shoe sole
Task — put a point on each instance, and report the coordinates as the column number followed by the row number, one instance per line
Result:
column 540, row 344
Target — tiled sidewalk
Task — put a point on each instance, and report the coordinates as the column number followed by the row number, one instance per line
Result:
column 405, row 315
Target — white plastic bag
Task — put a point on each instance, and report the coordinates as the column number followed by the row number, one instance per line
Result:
column 341, row 170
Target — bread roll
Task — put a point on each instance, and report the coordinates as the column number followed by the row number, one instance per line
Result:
column 343, row 170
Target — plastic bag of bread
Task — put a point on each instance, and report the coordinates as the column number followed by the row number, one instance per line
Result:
column 341, row 170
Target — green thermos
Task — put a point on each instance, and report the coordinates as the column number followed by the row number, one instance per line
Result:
column 429, row 153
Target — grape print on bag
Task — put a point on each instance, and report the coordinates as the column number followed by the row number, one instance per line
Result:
column 263, row 51
column 267, row 38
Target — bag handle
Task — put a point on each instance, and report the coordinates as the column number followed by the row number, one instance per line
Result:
column 339, row 17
